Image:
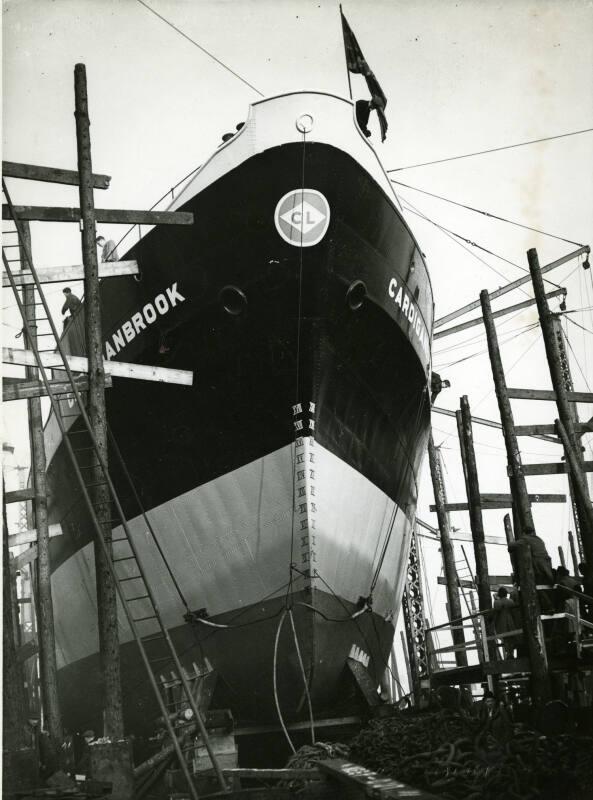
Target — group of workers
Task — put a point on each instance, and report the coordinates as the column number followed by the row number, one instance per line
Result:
column 507, row 609
column 72, row 302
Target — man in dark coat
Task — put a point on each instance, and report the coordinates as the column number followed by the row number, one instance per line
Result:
column 70, row 305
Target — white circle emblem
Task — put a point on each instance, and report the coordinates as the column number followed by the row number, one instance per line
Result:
column 302, row 217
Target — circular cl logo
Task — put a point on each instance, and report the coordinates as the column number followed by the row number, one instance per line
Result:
column 302, row 217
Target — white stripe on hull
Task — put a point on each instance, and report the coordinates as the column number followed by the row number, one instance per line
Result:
column 229, row 545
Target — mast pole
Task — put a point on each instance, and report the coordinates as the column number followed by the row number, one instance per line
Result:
column 345, row 53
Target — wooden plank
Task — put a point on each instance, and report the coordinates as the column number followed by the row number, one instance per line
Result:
column 495, row 581
column 19, row 496
column 74, row 272
column 118, row 369
column 362, row 782
column 548, row 394
column 30, row 536
column 510, row 286
column 490, row 423
column 22, row 559
column 491, row 502
column 554, row 468
column 25, row 390
column 114, row 216
column 501, row 313
column 27, row 650
column 533, row 498
column 285, row 774
column 32, row 172
column 531, row 430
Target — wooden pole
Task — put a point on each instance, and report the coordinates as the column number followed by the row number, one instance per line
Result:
column 561, row 556
column 532, row 626
column 562, row 383
column 345, row 52
column 44, row 603
column 515, row 467
column 454, row 602
column 573, row 553
column 470, row 471
column 106, row 591
column 580, row 483
column 14, row 708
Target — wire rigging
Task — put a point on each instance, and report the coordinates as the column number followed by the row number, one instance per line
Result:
column 485, row 213
column 199, row 46
column 491, row 150
column 414, row 210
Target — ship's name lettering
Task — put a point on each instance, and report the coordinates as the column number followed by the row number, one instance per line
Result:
column 140, row 321
column 409, row 309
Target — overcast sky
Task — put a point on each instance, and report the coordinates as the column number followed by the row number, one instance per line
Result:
column 460, row 77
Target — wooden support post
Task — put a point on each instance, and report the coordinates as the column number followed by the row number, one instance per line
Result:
column 573, row 553
column 510, row 537
column 454, row 602
column 565, row 398
column 470, row 471
column 562, row 383
column 515, row 467
column 15, row 703
column 106, row 591
column 532, row 627
column 561, row 556
column 44, row 603
column 580, row 483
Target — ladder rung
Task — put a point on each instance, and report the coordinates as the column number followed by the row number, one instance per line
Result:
column 152, row 638
column 142, row 619
column 125, row 558
column 130, row 578
column 138, row 597
column 95, row 484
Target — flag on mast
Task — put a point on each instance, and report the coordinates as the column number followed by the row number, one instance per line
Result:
column 357, row 64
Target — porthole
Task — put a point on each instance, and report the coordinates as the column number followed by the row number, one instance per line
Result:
column 233, row 300
column 356, row 294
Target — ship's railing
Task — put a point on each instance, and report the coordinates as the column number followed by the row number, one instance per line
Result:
column 579, row 628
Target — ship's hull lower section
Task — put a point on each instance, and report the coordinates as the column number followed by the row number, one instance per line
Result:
column 230, row 544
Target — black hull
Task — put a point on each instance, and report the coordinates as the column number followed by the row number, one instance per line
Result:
column 359, row 375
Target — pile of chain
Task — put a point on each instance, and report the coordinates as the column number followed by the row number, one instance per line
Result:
column 307, row 756
column 447, row 752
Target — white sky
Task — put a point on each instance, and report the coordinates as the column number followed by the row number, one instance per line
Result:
column 460, row 77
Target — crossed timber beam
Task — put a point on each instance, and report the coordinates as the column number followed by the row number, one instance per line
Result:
column 75, row 272
column 31, row 172
column 111, row 215
column 18, row 389
column 30, row 536
column 503, row 312
column 548, row 394
column 490, row 502
column 117, row 369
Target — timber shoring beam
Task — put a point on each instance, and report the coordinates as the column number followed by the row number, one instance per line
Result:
column 472, row 486
column 490, row 423
column 72, row 272
column 32, row 172
column 566, row 411
column 45, row 613
column 115, row 216
column 106, row 591
column 515, row 466
column 510, row 286
column 496, row 314
column 532, row 626
column 24, row 390
column 447, row 551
